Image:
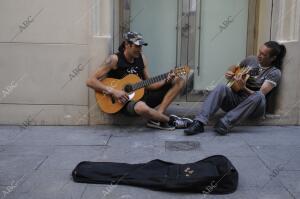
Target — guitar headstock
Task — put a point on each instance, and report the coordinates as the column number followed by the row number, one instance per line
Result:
column 182, row 71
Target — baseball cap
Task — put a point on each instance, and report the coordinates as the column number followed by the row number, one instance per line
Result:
column 136, row 38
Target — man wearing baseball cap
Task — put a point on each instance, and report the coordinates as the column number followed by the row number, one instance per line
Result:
column 158, row 96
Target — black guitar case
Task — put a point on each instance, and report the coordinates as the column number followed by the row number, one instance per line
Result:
column 212, row 175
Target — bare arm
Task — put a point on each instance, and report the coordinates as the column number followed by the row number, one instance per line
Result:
column 248, row 90
column 266, row 87
column 94, row 83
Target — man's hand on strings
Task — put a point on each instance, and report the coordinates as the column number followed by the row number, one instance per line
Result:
column 229, row 75
column 240, row 80
column 121, row 96
column 171, row 76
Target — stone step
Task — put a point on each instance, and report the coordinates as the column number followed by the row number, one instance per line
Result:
column 190, row 109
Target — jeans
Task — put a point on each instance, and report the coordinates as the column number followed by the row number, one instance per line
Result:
column 239, row 106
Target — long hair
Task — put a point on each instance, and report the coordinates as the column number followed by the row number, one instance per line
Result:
column 277, row 50
column 122, row 46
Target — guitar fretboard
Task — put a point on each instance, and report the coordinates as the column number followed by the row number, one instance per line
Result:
column 149, row 81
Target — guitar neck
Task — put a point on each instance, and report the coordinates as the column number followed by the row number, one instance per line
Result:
column 149, row 81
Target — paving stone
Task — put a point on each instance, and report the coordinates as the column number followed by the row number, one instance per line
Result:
column 280, row 157
column 9, row 134
column 37, row 162
column 252, row 172
column 15, row 167
column 48, row 184
column 61, row 136
column 26, row 150
column 270, row 135
column 290, row 179
column 67, row 157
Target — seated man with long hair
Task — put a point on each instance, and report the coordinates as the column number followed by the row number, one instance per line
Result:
column 250, row 101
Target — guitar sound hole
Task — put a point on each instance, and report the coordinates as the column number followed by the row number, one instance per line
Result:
column 128, row 88
column 113, row 99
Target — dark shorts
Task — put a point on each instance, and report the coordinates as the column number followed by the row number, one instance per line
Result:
column 152, row 98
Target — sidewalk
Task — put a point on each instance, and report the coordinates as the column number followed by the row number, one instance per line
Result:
column 36, row 162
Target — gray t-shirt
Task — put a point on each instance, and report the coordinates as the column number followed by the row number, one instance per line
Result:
column 259, row 74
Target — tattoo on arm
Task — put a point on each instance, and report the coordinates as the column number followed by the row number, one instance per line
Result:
column 108, row 61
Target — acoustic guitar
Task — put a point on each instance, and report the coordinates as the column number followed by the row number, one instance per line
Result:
column 133, row 85
column 238, row 70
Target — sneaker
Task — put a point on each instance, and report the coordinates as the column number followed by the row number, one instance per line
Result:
column 160, row 125
column 220, row 128
column 195, row 128
column 183, row 123
column 180, row 123
column 174, row 117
